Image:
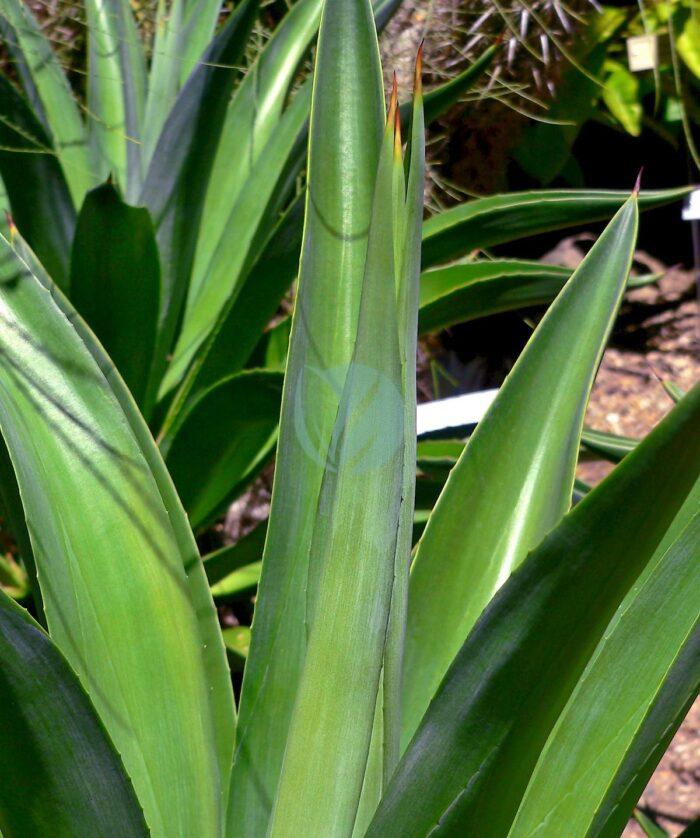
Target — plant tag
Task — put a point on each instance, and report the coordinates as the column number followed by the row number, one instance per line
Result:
column 691, row 206
column 642, row 53
column 455, row 414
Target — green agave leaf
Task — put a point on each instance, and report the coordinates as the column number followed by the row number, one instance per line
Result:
column 238, row 581
column 140, row 632
column 206, row 312
column 221, row 563
column 176, row 181
column 223, row 440
column 345, row 135
column 353, row 546
column 469, row 764
column 59, row 772
column 512, row 495
column 258, row 300
column 407, row 262
column 462, row 292
column 640, row 683
column 184, row 31
column 34, row 183
column 498, row 219
column 649, row 827
column 59, row 108
column 115, row 282
column 611, row 446
column 251, row 120
column 116, row 91
column 673, row 390
column 439, row 455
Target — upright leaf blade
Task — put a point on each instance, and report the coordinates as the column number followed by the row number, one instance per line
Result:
column 59, row 772
column 184, row 30
column 208, row 303
column 352, row 553
column 500, row 500
column 130, row 628
column 33, row 179
column 345, row 136
column 116, row 91
column 59, row 106
column 251, row 119
column 177, row 177
column 468, row 766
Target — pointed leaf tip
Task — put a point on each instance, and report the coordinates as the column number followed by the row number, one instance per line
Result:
column 393, row 101
column 638, row 182
column 418, row 76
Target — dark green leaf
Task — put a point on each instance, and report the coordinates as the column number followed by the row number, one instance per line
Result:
column 59, row 772
column 115, row 282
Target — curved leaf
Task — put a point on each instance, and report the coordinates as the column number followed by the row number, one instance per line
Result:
column 221, row 563
column 138, row 631
column 462, row 292
column 467, row 768
column 498, row 219
column 640, row 683
column 512, row 495
column 59, row 773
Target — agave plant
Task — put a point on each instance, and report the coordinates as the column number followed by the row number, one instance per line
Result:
column 166, row 209
column 475, row 694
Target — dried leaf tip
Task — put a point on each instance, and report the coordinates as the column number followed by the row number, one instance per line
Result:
column 638, row 183
column 393, row 102
column 418, row 75
column 10, row 223
column 397, row 135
